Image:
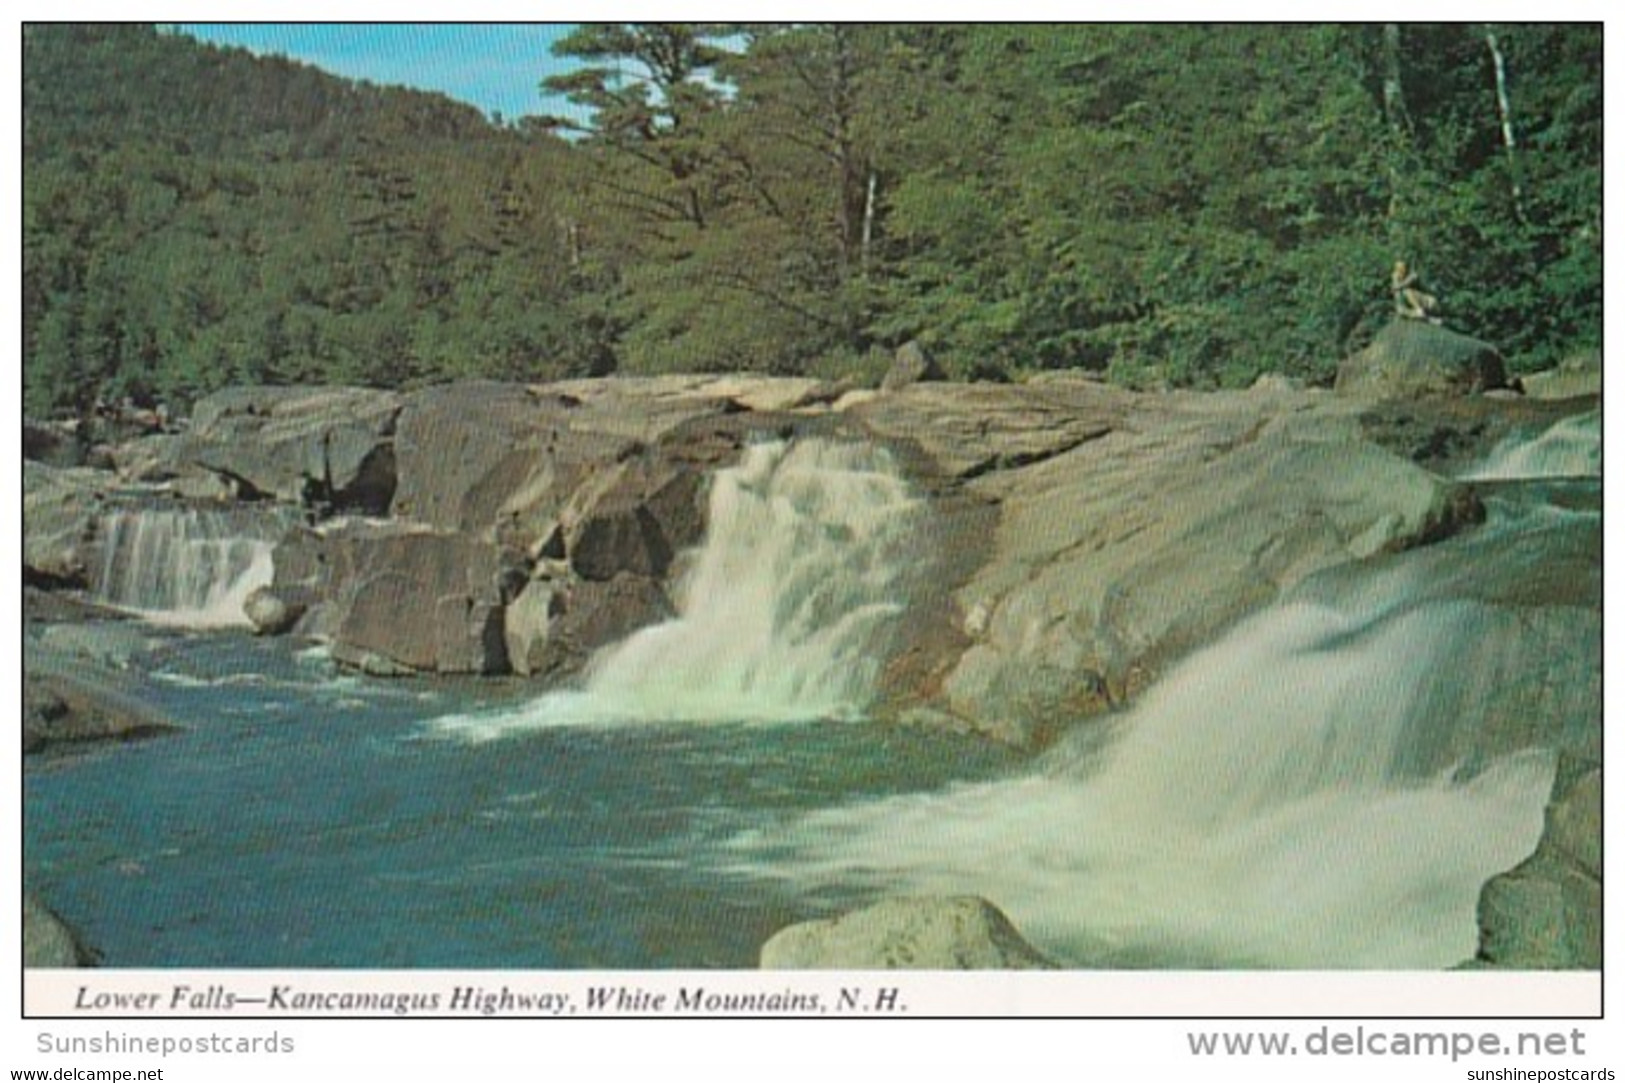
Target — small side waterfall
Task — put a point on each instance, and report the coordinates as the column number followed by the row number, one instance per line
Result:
column 191, row 567
column 785, row 612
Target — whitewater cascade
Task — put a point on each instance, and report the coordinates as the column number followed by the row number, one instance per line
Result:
column 190, row 567
column 1571, row 448
column 785, row 612
column 1305, row 792
column 1253, row 811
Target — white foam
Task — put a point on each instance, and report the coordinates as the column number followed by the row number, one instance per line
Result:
column 784, row 614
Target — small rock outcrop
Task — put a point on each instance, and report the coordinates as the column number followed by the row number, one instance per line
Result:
column 1414, row 359
column 270, row 613
column 330, row 449
column 55, row 443
column 397, row 598
column 930, row 933
column 911, row 366
column 48, row 941
column 1578, row 377
column 61, row 508
column 1546, row 914
column 69, row 698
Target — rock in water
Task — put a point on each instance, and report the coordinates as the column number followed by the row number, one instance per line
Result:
column 47, row 940
column 270, row 613
column 327, row 447
column 942, row 933
column 1546, row 914
column 528, row 624
column 61, row 507
column 426, row 601
column 1411, row 359
column 911, row 366
column 71, row 699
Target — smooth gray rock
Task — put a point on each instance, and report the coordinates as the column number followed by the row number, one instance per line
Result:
column 61, row 510
column 949, row 933
column 48, row 941
column 270, row 613
column 504, row 460
column 912, row 365
column 590, row 614
column 55, row 443
column 113, row 645
column 399, row 598
column 1412, row 359
column 1149, row 529
column 328, row 448
column 635, row 518
column 528, row 625
column 1578, row 377
column 70, row 698
column 1546, row 914
column 425, row 601
column 960, row 431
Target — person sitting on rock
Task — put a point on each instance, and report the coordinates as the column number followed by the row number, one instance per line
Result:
column 1411, row 301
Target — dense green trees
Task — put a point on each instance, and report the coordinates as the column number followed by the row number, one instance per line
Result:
column 196, row 217
column 1173, row 205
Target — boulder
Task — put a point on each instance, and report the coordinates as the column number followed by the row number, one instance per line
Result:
column 1578, row 377
column 1546, row 914
column 328, row 448
column 205, row 486
column 70, row 699
column 1413, row 359
column 485, row 458
column 635, row 518
column 960, row 431
column 911, row 365
column 54, row 607
column 403, row 600
column 109, row 645
column 55, row 443
column 586, row 615
column 48, row 941
column 649, row 409
column 605, row 476
column 270, row 613
column 61, row 511
column 528, row 625
column 930, row 933
column 1147, row 526
column 504, row 461
column 150, row 459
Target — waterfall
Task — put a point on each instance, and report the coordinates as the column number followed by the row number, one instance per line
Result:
column 1302, row 793
column 1570, row 448
column 785, row 613
column 191, row 567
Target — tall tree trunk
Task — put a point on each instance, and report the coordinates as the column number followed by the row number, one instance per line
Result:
column 1394, row 111
column 1393, row 85
column 1509, row 138
column 848, row 161
column 869, row 217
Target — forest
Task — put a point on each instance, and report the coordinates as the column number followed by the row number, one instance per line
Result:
column 1164, row 205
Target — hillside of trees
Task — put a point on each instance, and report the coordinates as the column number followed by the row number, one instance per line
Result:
column 1169, row 205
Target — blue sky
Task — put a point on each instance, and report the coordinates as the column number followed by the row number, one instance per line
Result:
column 496, row 67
